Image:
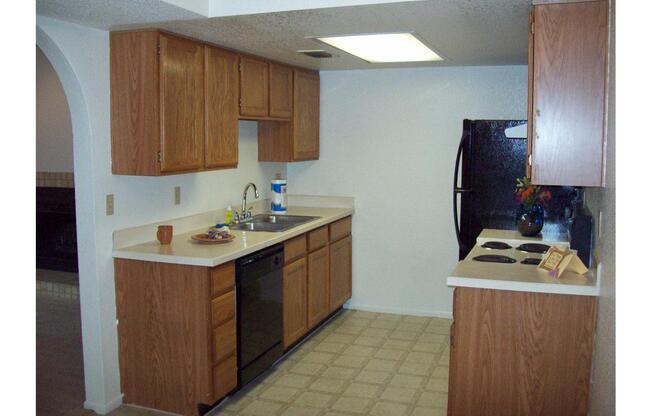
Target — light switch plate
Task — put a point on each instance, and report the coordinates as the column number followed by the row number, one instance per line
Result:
column 109, row 204
column 177, row 195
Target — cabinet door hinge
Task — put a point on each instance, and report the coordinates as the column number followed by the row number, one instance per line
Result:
column 158, row 157
column 158, row 49
column 239, row 66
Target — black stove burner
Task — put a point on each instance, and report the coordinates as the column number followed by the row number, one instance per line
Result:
column 533, row 248
column 496, row 245
column 494, row 258
column 532, row 261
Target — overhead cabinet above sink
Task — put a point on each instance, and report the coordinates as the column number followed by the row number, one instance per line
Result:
column 176, row 102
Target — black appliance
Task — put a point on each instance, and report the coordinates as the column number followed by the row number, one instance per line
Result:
column 486, row 167
column 259, row 291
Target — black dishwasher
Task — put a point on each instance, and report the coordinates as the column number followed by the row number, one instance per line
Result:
column 259, row 290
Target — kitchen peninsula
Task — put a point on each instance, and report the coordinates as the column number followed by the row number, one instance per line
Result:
column 521, row 341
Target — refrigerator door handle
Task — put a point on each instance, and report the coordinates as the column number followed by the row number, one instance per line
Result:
column 456, row 189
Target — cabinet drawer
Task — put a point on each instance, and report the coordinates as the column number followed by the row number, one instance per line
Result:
column 223, row 308
column 225, row 377
column 295, row 248
column 318, row 238
column 224, row 341
column 222, row 279
column 340, row 229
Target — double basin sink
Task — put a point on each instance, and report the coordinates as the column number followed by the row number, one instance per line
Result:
column 272, row 223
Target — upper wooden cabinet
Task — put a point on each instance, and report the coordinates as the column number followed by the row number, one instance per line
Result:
column 280, row 91
column 182, row 101
column 297, row 139
column 176, row 102
column 305, row 124
column 254, row 87
column 173, row 108
column 567, row 80
column 221, row 92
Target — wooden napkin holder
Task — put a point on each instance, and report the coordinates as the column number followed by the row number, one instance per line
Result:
column 558, row 259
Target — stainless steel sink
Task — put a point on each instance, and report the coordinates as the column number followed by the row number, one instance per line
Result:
column 272, row 223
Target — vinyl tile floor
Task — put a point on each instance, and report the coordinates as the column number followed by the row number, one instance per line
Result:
column 359, row 363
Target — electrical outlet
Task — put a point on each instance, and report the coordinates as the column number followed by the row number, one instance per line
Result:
column 109, row 204
column 177, row 195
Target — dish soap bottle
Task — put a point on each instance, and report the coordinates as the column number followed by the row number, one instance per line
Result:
column 229, row 215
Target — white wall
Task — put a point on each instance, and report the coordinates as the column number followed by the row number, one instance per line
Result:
column 53, row 128
column 389, row 138
column 81, row 58
column 603, row 388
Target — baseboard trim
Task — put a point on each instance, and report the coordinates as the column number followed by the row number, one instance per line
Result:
column 399, row 311
column 104, row 408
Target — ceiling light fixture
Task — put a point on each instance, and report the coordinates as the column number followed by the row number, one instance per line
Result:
column 383, row 47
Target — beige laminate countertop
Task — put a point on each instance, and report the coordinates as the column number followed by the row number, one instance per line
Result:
column 517, row 276
column 183, row 250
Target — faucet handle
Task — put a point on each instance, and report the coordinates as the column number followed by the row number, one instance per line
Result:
column 248, row 214
column 236, row 217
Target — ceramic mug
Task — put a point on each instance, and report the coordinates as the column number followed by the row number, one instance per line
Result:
column 164, row 234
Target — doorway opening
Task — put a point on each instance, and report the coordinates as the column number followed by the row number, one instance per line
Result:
column 59, row 356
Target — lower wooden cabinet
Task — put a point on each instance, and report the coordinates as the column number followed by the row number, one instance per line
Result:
column 318, row 286
column 295, row 301
column 177, row 334
column 316, row 277
column 520, row 353
column 225, row 377
column 340, row 272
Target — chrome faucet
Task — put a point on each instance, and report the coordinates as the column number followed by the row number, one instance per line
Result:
column 246, row 214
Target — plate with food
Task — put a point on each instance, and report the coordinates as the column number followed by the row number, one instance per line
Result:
column 214, row 235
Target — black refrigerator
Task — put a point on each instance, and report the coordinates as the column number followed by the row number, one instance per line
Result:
column 486, row 167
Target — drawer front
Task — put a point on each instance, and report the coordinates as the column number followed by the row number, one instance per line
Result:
column 223, row 308
column 294, row 249
column 222, row 278
column 318, row 238
column 340, row 229
column 224, row 341
column 225, row 377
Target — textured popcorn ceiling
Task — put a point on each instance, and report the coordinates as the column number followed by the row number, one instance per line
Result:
column 465, row 32
column 103, row 14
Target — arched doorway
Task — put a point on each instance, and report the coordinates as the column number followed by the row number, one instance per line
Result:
column 59, row 357
column 94, row 380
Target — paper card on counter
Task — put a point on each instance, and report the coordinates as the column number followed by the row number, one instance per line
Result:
column 557, row 260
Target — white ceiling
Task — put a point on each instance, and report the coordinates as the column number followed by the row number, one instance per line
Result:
column 465, row 32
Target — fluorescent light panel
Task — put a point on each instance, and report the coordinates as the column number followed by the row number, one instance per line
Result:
column 384, row 47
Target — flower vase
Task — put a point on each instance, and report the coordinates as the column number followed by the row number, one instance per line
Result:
column 530, row 222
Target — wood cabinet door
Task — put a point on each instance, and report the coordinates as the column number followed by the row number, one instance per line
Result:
column 254, row 87
column 305, row 124
column 340, row 272
column 318, row 286
column 221, row 91
column 520, row 353
column 569, row 77
column 295, row 301
column 181, row 104
column 280, row 91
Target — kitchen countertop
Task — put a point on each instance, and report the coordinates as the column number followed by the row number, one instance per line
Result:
column 517, row 276
column 183, row 250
